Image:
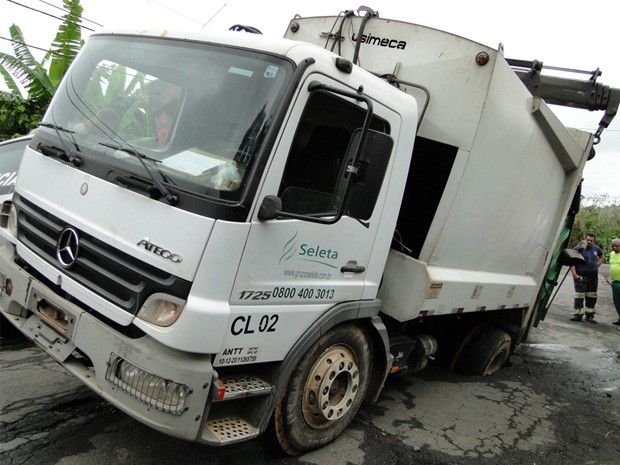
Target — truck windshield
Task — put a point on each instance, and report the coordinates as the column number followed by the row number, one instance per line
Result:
column 197, row 113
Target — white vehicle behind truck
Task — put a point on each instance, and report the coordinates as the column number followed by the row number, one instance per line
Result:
column 223, row 232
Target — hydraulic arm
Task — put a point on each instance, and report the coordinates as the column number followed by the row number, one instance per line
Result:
column 588, row 95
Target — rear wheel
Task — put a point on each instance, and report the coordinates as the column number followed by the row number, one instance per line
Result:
column 486, row 354
column 325, row 390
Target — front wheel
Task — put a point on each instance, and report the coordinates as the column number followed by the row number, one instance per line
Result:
column 325, row 391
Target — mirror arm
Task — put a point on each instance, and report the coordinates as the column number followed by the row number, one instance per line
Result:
column 311, row 219
column 271, row 209
column 278, row 214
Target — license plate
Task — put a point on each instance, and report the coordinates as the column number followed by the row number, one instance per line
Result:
column 59, row 314
column 52, row 342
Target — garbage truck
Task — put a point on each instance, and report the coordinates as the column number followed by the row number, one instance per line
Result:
column 223, row 233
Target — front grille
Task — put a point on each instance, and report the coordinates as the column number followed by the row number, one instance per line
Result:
column 112, row 274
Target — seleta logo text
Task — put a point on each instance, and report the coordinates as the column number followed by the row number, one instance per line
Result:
column 318, row 252
column 157, row 250
column 311, row 253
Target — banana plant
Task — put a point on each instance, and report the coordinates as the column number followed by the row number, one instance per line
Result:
column 67, row 43
column 25, row 69
column 32, row 83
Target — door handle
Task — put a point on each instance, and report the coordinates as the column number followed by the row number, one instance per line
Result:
column 352, row 269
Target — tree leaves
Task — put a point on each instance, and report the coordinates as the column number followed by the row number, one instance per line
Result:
column 11, row 84
column 18, row 116
column 600, row 216
column 40, row 84
column 67, row 43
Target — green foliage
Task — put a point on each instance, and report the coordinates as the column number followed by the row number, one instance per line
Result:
column 19, row 116
column 11, row 83
column 19, row 113
column 67, row 43
column 26, row 70
column 600, row 216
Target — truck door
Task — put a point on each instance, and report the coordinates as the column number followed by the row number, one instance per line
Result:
column 292, row 269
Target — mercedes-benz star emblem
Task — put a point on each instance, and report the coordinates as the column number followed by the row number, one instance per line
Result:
column 67, row 247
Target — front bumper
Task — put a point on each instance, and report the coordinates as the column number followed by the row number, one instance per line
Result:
column 86, row 346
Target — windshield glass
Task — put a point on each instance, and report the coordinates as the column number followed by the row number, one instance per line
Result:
column 196, row 113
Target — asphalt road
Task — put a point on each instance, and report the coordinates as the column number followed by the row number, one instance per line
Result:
column 556, row 403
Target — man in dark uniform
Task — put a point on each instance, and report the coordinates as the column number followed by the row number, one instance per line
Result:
column 585, row 276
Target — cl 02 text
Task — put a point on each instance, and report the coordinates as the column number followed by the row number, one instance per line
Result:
column 245, row 324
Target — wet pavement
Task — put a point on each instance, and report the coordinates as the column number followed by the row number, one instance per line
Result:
column 556, row 403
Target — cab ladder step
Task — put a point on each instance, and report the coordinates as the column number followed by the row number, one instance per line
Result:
column 238, row 386
column 228, row 430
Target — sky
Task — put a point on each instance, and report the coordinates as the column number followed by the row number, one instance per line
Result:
column 561, row 33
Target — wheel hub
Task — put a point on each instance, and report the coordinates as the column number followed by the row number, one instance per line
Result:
column 331, row 386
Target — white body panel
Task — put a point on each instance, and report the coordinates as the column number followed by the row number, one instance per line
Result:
column 205, row 320
column 115, row 215
column 513, row 178
column 421, row 55
column 499, row 223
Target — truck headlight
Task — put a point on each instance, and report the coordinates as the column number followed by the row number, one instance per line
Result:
column 158, row 392
column 161, row 310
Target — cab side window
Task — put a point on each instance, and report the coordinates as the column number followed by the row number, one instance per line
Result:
column 318, row 153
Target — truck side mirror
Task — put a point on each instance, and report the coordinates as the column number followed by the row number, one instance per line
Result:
column 570, row 257
column 360, row 181
column 270, row 208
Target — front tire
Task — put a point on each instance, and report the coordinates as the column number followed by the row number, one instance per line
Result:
column 325, row 390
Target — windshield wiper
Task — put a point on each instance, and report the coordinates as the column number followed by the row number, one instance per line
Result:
column 65, row 153
column 171, row 198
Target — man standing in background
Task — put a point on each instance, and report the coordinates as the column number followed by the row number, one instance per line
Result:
column 585, row 276
column 614, row 276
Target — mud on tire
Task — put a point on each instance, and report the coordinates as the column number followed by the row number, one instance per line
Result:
column 325, row 390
